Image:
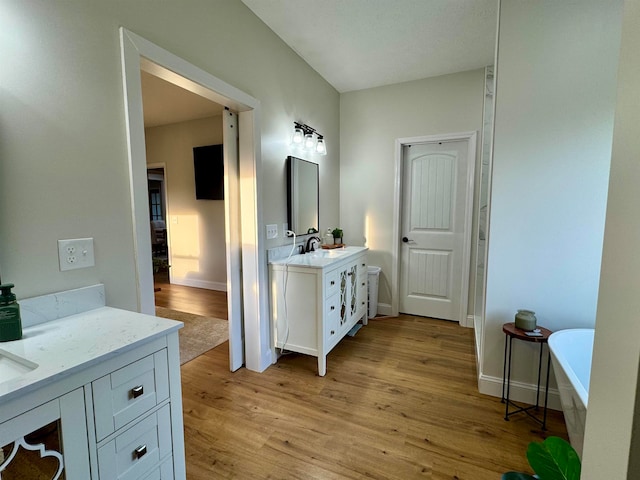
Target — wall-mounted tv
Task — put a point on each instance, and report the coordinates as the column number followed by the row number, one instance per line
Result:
column 208, row 165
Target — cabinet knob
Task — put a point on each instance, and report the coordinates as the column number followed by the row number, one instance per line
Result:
column 363, row 284
column 137, row 391
column 349, row 274
column 364, row 264
column 333, row 307
column 140, row 452
column 332, row 332
column 333, row 282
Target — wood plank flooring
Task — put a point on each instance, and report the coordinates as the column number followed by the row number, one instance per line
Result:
column 399, row 401
column 199, row 301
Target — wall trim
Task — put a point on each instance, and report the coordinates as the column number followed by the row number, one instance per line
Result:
column 385, row 309
column 519, row 391
column 194, row 282
column 468, row 322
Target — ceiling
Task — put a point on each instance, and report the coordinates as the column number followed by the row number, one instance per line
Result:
column 358, row 44
column 355, row 44
column 165, row 103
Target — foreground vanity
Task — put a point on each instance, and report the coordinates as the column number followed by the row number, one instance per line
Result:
column 316, row 298
column 108, row 379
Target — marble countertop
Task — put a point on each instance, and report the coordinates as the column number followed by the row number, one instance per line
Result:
column 321, row 258
column 64, row 346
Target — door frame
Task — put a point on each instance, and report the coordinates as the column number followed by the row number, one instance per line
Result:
column 138, row 54
column 397, row 216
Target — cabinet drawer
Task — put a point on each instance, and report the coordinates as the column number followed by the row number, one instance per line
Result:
column 332, row 319
column 362, row 266
column 138, row 451
column 361, row 299
column 127, row 393
column 331, row 283
column 163, row 472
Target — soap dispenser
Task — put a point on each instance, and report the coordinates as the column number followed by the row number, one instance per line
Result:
column 10, row 323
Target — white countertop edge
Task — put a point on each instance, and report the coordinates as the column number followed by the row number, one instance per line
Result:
column 68, row 345
column 309, row 260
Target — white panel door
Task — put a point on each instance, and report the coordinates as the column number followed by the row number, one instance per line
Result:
column 232, row 237
column 434, row 202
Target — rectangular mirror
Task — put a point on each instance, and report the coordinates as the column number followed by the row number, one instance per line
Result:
column 302, row 195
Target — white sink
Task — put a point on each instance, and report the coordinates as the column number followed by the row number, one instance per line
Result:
column 12, row 366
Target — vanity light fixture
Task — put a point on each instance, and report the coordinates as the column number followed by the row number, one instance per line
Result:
column 298, row 135
column 303, row 137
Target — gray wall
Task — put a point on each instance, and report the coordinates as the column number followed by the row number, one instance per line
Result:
column 556, row 85
column 613, row 393
column 370, row 122
column 64, row 170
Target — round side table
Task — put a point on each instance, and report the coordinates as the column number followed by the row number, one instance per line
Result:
column 511, row 331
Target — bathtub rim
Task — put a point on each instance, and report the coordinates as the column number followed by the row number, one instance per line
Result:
column 560, row 358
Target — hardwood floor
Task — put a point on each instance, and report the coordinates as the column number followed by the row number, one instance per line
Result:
column 199, row 301
column 399, row 401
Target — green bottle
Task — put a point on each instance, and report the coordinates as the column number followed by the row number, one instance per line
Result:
column 10, row 323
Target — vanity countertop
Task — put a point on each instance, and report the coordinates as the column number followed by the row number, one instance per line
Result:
column 67, row 345
column 321, row 258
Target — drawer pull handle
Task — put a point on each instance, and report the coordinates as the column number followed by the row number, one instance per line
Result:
column 333, row 282
column 140, row 452
column 137, row 391
column 333, row 307
column 333, row 332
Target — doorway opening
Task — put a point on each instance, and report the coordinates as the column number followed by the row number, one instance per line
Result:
column 247, row 296
column 158, row 224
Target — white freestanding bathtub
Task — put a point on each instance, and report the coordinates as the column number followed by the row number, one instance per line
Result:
column 571, row 352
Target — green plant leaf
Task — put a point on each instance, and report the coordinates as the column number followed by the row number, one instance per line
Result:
column 517, row 476
column 554, row 459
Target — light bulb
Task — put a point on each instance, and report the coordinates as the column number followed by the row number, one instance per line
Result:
column 298, row 136
column 308, row 141
column 321, row 148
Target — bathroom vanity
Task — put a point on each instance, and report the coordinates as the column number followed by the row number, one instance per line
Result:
column 109, row 380
column 316, row 298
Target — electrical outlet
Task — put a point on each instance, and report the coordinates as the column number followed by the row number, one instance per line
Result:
column 272, row 231
column 75, row 253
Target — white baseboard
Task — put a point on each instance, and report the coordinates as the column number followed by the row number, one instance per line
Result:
column 518, row 392
column 468, row 322
column 384, row 309
column 190, row 282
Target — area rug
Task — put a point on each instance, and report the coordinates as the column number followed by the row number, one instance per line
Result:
column 199, row 334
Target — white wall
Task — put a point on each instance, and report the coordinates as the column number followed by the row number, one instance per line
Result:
column 64, row 170
column 614, row 376
column 556, row 80
column 196, row 227
column 370, row 122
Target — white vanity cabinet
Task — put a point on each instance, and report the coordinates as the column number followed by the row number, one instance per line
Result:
column 316, row 298
column 111, row 380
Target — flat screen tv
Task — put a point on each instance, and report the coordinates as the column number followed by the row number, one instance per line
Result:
column 208, row 166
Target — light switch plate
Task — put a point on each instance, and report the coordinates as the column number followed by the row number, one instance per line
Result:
column 272, row 231
column 75, row 253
